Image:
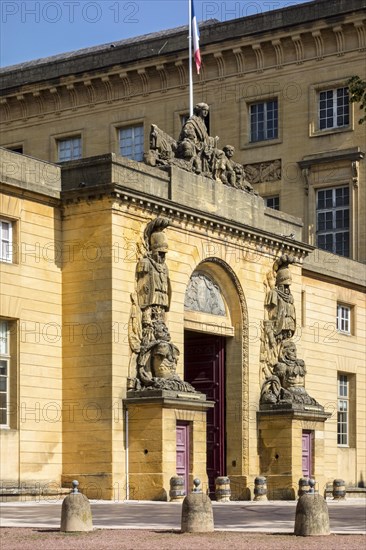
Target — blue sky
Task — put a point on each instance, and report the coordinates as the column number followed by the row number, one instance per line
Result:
column 31, row 29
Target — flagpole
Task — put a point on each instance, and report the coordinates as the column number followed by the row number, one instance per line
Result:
column 190, row 59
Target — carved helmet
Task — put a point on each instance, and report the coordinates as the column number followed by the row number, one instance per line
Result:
column 281, row 267
column 283, row 276
column 158, row 242
column 154, row 236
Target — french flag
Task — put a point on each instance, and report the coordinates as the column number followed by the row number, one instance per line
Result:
column 196, row 40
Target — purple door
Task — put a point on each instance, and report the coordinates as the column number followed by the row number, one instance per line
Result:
column 307, row 453
column 204, row 368
column 183, row 452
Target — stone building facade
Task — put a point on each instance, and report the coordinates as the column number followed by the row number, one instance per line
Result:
column 74, row 236
column 70, row 357
column 273, row 82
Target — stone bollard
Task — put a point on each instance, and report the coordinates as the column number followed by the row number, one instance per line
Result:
column 177, row 491
column 339, row 489
column 260, row 488
column 312, row 517
column 76, row 512
column 222, row 489
column 197, row 515
column 304, row 486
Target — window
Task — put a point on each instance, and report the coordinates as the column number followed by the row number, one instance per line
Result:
column 344, row 319
column 333, row 108
column 6, row 241
column 332, row 220
column 273, row 202
column 131, row 142
column 4, row 372
column 264, row 121
column 343, row 410
column 69, row 149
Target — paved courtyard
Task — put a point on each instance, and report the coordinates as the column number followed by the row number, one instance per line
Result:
column 347, row 517
column 156, row 525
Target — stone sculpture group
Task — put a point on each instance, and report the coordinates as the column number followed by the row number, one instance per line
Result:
column 154, row 355
column 198, row 152
column 284, row 372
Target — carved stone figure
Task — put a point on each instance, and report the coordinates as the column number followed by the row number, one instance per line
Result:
column 162, row 147
column 233, row 172
column 280, row 317
column 280, row 302
column 157, row 362
column 286, row 385
column 284, row 373
column 196, row 151
column 154, row 356
column 195, row 143
column 204, row 295
column 153, row 288
column 229, row 175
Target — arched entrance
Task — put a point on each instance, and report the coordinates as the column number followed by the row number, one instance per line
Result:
column 215, row 363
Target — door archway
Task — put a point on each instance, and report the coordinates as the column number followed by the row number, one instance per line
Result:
column 216, row 361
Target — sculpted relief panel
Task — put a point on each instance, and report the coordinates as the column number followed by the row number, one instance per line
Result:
column 260, row 172
column 204, row 295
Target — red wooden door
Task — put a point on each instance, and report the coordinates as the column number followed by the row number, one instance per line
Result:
column 183, row 452
column 307, row 453
column 204, row 368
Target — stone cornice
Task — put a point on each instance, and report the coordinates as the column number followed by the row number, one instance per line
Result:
column 265, row 242
column 164, row 73
column 176, row 400
column 352, row 154
column 306, row 412
column 324, row 266
column 335, row 278
column 32, row 194
column 175, row 40
column 25, row 176
column 200, row 202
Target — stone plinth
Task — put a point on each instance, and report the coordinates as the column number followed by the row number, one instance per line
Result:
column 152, row 446
column 280, row 447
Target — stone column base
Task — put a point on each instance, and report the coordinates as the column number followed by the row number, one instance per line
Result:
column 280, row 448
column 152, row 447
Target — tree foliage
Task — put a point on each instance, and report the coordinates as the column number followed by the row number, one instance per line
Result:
column 357, row 93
